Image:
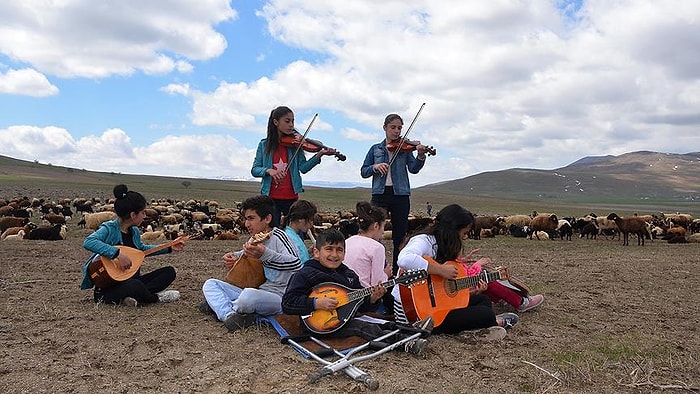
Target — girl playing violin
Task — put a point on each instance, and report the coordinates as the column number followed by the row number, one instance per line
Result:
column 390, row 186
column 279, row 167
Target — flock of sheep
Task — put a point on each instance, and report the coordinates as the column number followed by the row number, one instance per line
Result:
column 168, row 219
column 674, row 228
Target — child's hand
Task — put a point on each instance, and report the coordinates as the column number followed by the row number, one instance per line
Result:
column 468, row 258
column 378, row 292
column 448, row 271
column 326, row 303
column 254, row 251
column 124, row 261
column 480, row 288
column 230, row 259
column 179, row 246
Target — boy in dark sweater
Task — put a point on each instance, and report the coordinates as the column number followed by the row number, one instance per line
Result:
column 327, row 266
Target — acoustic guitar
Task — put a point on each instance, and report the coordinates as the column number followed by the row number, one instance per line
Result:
column 248, row 271
column 324, row 322
column 437, row 296
column 105, row 272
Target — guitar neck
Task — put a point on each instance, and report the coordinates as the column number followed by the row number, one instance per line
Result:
column 473, row 281
column 362, row 293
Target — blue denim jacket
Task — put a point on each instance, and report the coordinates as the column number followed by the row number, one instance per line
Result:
column 405, row 162
column 263, row 162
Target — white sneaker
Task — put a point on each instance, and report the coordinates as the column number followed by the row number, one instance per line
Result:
column 168, row 296
column 130, row 302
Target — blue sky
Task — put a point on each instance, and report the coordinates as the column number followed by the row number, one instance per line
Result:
column 184, row 88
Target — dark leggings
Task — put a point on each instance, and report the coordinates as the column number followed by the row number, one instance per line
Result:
column 281, row 209
column 478, row 314
column 142, row 288
column 398, row 208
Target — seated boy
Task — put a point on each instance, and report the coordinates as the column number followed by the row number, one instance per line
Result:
column 327, row 266
column 237, row 307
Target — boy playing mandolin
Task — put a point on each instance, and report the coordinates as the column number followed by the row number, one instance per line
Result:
column 138, row 289
column 327, row 268
column 236, row 306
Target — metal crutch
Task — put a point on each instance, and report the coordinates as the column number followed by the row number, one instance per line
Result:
column 352, row 371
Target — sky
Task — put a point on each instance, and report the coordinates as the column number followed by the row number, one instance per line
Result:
column 185, row 88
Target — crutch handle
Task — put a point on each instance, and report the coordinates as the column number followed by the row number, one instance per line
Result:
column 368, row 381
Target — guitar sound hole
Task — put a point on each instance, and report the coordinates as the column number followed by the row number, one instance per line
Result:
column 450, row 286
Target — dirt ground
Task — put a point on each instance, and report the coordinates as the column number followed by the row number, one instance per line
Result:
column 616, row 320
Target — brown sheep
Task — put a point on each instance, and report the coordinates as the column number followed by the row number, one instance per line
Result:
column 543, row 222
column 94, row 220
column 11, row 221
column 54, row 218
column 15, row 230
column 486, row 222
column 634, row 225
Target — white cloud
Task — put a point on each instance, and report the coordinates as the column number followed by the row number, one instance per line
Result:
column 26, row 82
column 80, row 38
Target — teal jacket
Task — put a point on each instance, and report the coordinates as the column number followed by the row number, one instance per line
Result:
column 102, row 242
column 263, row 162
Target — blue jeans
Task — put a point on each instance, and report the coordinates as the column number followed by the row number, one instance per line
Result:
column 225, row 299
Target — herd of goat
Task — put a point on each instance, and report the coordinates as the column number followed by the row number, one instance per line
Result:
column 167, row 219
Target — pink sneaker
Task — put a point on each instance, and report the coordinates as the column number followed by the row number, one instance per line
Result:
column 531, row 302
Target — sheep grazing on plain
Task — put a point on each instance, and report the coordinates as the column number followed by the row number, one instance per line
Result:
column 634, row 225
column 94, row 220
column 486, row 222
column 150, row 237
column 56, row 232
column 15, row 237
column 543, row 222
column 12, row 221
column 565, row 230
column 14, row 230
column 540, row 235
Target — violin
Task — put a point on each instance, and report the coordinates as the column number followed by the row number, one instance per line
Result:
column 409, row 146
column 308, row 145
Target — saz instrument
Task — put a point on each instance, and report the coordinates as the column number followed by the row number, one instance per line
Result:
column 437, row 296
column 105, row 272
column 324, row 322
column 248, row 271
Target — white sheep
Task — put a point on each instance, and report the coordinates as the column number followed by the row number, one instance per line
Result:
column 15, row 237
column 94, row 220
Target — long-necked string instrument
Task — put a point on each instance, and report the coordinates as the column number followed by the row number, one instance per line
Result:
column 296, row 151
column 402, row 141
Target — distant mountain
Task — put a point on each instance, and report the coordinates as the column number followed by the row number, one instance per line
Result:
column 638, row 175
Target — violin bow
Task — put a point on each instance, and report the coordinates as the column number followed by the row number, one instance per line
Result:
column 403, row 139
column 301, row 142
column 303, row 138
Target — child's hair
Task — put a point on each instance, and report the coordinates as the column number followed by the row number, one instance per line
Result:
column 330, row 237
column 273, row 138
column 301, row 209
column 368, row 214
column 391, row 117
column 127, row 201
column 262, row 205
column 448, row 222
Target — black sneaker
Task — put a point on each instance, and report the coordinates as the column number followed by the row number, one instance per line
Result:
column 416, row 347
column 509, row 319
column 205, row 308
column 237, row 321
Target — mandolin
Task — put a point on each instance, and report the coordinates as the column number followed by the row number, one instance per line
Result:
column 324, row 322
column 437, row 296
column 105, row 272
column 248, row 271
